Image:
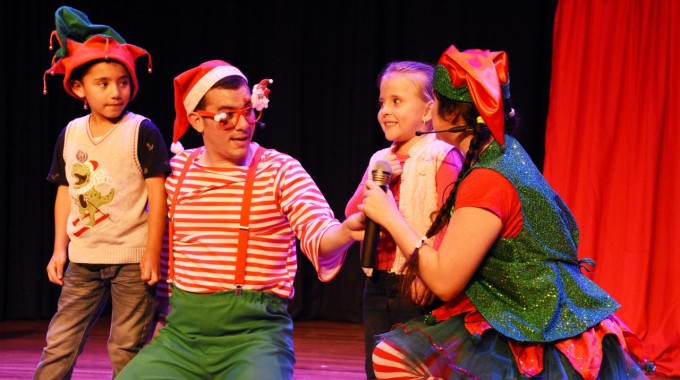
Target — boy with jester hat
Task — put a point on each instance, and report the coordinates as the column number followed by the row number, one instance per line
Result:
column 110, row 210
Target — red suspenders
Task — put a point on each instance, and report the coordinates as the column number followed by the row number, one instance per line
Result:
column 243, row 226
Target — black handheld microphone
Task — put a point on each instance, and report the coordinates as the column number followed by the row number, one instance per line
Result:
column 461, row 128
column 381, row 174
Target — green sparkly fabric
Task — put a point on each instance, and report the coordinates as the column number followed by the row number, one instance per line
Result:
column 441, row 82
column 530, row 287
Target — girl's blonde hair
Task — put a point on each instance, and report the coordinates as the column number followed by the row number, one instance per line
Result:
column 422, row 71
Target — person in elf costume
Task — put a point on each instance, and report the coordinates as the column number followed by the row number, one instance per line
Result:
column 517, row 305
column 110, row 208
column 235, row 211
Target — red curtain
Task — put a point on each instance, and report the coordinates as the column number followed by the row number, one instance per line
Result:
column 613, row 154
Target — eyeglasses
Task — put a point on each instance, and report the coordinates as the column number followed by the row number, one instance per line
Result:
column 230, row 119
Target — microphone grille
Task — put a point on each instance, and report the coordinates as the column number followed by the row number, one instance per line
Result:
column 382, row 172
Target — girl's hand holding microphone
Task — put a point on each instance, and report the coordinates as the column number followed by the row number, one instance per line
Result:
column 379, row 205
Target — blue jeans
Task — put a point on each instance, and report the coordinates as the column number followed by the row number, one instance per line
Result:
column 86, row 290
column 384, row 305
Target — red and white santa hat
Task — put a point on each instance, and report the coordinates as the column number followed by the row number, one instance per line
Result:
column 190, row 87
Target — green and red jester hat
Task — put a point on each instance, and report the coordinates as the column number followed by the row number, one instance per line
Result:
column 82, row 42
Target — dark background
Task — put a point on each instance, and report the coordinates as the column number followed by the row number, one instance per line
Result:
column 324, row 57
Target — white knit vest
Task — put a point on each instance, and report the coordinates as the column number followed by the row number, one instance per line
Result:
column 418, row 188
column 107, row 223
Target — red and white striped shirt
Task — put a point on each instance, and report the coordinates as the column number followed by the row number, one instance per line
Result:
column 285, row 203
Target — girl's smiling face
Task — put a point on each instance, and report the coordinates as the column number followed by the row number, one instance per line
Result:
column 403, row 111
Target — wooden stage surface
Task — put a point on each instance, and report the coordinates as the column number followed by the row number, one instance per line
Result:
column 325, row 350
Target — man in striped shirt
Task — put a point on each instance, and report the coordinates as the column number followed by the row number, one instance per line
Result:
column 235, row 212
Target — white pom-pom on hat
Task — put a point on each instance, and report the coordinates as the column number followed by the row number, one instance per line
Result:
column 176, row 147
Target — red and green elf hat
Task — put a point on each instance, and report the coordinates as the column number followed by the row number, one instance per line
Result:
column 476, row 76
column 82, row 42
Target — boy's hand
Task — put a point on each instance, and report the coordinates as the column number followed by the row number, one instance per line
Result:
column 55, row 268
column 150, row 265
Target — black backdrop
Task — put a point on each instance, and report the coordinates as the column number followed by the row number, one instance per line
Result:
column 324, row 57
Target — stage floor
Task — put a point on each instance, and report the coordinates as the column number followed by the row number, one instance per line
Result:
column 325, row 350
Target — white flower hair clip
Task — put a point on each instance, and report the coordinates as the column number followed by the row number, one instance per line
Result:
column 260, row 96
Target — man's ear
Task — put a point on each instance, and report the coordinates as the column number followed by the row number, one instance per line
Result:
column 196, row 121
column 77, row 88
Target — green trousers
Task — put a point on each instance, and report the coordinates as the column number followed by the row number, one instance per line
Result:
column 220, row 335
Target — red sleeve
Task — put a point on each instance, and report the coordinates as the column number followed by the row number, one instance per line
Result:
column 448, row 174
column 489, row 190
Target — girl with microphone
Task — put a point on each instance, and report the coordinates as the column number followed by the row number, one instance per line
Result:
column 422, row 167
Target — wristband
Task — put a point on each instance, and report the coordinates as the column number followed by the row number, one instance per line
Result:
column 422, row 241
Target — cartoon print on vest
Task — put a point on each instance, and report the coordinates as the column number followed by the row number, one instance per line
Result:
column 88, row 189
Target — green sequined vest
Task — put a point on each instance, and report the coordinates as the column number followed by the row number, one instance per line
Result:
column 530, row 287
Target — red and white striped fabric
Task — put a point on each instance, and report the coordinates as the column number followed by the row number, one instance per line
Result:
column 285, row 203
column 390, row 363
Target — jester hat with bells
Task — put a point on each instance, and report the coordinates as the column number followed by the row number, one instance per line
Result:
column 193, row 84
column 476, row 76
column 82, row 42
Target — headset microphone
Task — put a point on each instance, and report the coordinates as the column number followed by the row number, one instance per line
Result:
column 461, row 128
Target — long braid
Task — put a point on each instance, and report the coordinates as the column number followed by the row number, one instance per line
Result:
column 444, row 213
column 480, row 134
